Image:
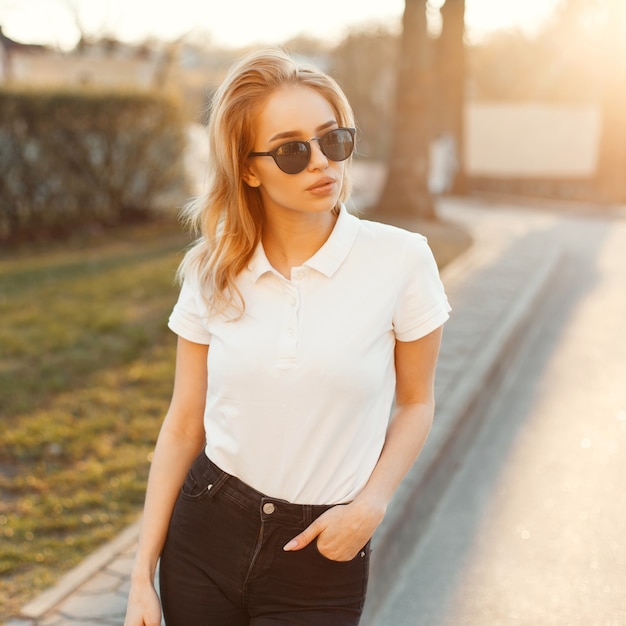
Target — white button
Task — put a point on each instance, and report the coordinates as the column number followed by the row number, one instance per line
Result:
column 268, row 508
column 290, row 332
column 293, row 301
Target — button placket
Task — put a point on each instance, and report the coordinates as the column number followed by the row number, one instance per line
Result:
column 289, row 334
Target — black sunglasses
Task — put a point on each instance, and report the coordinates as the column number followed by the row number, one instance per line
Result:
column 293, row 157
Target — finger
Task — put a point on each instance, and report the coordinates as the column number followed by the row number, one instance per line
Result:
column 304, row 538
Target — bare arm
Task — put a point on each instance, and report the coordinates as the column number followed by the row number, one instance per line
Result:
column 343, row 530
column 180, row 440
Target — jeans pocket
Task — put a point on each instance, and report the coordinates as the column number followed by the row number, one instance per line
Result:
column 201, row 482
column 308, row 577
column 362, row 554
column 192, row 489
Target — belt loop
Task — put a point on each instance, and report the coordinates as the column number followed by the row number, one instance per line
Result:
column 213, row 474
column 307, row 514
column 222, row 476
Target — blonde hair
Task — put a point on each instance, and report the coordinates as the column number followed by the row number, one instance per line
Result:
column 229, row 217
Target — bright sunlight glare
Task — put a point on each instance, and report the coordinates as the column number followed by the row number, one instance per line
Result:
column 236, row 24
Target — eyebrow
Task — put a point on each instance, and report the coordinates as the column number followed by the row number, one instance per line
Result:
column 295, row 133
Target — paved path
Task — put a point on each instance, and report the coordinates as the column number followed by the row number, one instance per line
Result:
column 531, row 530
column 492, row 290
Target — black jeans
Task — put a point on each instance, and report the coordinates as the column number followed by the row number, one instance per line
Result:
column 223, row 563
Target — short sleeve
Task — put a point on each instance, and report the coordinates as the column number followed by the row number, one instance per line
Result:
column 422, row 304
column 189, row 316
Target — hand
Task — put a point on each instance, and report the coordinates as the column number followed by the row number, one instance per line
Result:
column 341, row 531
column 144, row 607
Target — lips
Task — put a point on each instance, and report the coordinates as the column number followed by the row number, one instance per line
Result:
column 322, row 185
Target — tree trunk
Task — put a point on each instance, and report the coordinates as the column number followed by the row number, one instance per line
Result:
column 405, row 193
column 451, row 73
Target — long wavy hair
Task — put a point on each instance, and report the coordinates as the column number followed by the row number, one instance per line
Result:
column 229, row 217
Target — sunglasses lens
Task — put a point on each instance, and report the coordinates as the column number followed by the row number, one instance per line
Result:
column 293, row 157
column 338, row 144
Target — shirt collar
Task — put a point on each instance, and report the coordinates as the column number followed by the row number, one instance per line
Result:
column 333, row 253
column 259, row 264
column 327, row 260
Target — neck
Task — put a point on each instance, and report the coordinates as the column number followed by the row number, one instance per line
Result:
column 291, row 240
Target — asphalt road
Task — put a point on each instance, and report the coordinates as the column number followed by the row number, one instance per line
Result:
column 532, row 529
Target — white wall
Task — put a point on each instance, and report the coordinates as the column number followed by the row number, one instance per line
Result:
column 531, row 140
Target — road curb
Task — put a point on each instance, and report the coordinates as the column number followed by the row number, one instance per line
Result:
column 411, row 508
column 76, row 577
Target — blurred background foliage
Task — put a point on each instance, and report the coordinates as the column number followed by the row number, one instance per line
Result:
column 78, row 158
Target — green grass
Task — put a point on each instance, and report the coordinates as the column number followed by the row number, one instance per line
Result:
column 86, row 371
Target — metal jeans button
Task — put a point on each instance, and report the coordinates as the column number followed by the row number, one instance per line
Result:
column 268, row 508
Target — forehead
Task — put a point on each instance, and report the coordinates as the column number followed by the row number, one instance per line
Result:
column 293, row 109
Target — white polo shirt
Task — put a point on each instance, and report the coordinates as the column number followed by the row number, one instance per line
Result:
column 300, row 388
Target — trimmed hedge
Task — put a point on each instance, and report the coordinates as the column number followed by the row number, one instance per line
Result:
column 75, row 158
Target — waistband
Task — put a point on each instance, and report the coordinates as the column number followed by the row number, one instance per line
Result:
column 269, row 508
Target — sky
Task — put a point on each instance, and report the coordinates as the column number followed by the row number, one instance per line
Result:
column 237, row 23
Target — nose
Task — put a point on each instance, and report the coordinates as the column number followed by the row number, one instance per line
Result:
column 318, row 159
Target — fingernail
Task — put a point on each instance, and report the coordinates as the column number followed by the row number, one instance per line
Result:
column 290, row 546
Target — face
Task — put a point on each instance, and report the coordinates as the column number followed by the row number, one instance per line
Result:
column 295, row 113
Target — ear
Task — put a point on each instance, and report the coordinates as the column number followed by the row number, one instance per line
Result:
column 249, row 177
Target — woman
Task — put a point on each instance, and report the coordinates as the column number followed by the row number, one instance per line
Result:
column 280, row 450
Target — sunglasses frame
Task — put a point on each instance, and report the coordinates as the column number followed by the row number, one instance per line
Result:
column 307, row 144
